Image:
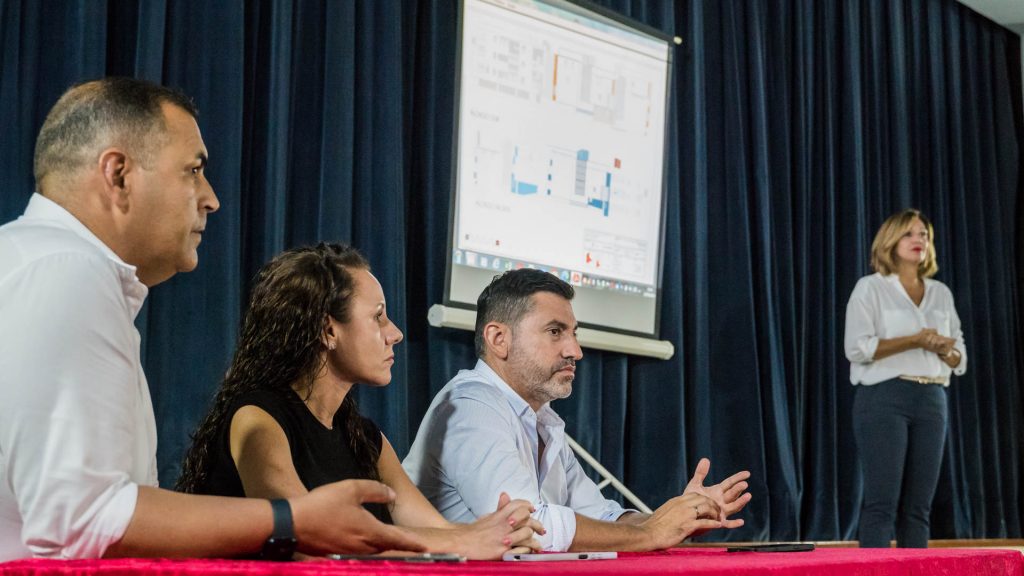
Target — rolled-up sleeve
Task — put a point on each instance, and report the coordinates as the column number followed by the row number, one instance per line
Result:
column 481, row 460
column 957, row 333
column 67, row 400
column 861, row 335
column 584, row 495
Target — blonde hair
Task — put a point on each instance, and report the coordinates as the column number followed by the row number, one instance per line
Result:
column 883, row 249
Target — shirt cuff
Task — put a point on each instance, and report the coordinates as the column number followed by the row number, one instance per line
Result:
column 870, row 347
column 614, row 515
column 961, row 368
column 560, row 525
column 103, row 524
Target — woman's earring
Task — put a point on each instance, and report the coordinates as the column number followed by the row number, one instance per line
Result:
column 331, row 345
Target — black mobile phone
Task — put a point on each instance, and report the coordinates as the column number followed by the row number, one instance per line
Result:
column 777, row 547
column 400, row 557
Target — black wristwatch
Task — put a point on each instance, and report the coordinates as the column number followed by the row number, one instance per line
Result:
column 281, row 544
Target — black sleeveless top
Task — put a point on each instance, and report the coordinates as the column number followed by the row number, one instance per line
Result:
column 320, row 456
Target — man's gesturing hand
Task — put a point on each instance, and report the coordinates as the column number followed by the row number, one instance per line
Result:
column 730, row 494
column 680, row 518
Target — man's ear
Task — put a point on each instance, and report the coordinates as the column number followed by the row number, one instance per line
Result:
column 115, row 165
column 497, row 339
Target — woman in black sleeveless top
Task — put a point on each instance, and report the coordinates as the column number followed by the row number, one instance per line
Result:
column 284, row 423
column 319, row 454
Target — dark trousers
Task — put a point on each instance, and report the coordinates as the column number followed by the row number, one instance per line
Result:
column 900, row 428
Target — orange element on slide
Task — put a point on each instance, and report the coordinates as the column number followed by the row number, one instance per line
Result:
column 554, row 81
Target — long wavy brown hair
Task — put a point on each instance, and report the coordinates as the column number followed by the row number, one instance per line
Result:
column 281, row 344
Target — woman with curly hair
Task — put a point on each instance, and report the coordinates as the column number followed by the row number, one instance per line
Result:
column 283, row 421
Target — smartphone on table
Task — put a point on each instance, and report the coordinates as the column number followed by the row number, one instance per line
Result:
column 400, row 557
column 558, row 556
column 774, row 547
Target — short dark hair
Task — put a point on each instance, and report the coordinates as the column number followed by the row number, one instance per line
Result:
column 92, row 115
column 508, row 298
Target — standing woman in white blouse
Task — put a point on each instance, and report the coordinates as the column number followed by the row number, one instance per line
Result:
column 903, row 340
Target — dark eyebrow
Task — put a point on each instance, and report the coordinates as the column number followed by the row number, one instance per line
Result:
column 556, row 324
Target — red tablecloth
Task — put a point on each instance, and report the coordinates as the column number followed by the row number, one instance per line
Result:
column 698, row 561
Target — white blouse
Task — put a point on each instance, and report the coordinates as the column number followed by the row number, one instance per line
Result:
column 880, row 308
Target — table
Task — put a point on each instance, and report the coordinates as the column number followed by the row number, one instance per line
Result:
column 691, row 561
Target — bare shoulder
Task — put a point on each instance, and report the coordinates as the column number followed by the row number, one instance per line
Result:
column 251, row 417
column 263, row 455
column 254, row 425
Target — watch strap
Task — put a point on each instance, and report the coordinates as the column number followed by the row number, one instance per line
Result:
column 281, row 544
column 283, row 526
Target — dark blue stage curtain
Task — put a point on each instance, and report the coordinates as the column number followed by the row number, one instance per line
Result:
column 797, row 126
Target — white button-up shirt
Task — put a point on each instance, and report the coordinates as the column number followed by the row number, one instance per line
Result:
column 880, row 308
column 77, row 432
column 479, row 438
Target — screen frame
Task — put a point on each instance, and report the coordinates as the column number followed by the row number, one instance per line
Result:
column 578, row 6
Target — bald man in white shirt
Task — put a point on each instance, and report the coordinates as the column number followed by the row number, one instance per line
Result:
column 121, row 204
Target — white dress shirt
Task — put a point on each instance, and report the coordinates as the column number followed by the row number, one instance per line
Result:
column 880, row 308
column 479, row 439
column 77, row 432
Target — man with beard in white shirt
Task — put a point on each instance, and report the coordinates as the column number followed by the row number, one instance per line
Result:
column 491, row 429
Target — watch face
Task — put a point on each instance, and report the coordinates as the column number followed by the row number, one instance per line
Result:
column 278, row 549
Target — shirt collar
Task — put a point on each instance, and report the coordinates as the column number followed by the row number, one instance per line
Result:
column 546, row 415
column 42, row 208
column 894, row 279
